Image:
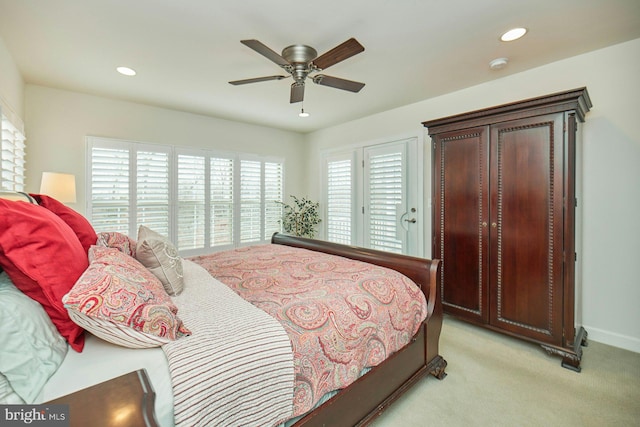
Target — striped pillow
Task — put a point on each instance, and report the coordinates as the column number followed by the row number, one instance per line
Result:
column 116, row 333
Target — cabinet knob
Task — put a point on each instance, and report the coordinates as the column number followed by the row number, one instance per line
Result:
column 484, row 224
column 494, row 225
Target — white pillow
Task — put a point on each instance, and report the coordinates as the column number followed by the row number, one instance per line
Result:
column 31, row 348
column 160, row 256
column 8, row 396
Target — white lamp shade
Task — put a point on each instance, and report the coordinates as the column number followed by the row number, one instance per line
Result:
column 60, row 186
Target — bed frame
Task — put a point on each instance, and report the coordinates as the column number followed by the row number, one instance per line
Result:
column 370, row 395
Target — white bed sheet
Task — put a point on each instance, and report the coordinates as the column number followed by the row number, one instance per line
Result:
column 101, row 361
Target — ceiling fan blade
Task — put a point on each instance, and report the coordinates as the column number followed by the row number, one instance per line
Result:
column 297, row 92
column 338, row 83
column 339, row 53
column 257, row 79
column 265, row 51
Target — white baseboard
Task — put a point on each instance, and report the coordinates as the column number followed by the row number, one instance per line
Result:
column 611, row 338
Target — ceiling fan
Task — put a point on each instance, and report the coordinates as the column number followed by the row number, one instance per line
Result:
column 301, row 61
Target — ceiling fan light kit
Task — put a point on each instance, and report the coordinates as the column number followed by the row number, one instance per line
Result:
column 498, row 63
column 299, row 61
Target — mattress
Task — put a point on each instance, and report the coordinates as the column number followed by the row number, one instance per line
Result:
column 97, row 363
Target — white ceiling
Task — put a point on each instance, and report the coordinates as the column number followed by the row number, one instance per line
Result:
column 186, row 51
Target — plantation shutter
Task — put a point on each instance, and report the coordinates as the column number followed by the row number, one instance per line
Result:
column 385, row 178
column 152, row 197
column 221, row 201
column 340, row 199
column 12, row 155
column 191, row 201
column 110, row 207
column 273, row 194
column 199, row 199
column 250, row 201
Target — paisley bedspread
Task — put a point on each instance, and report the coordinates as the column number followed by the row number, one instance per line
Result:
column 341, row 315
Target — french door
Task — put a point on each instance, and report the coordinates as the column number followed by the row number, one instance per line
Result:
column 372, row 197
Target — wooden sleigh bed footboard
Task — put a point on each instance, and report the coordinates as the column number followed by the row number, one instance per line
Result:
column 370, row 395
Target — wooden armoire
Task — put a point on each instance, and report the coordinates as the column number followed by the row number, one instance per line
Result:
column 504, row 218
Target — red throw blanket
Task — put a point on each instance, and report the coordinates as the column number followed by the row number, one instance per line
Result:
column 341, row 315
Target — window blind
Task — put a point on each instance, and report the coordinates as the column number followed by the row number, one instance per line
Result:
column 191, row 202
column 110, row 199
column 340, row 194
column 222, row 199
column 250, row 201
column 12, row 156
column 152, row 195
column 273, row 194
column 386, row 174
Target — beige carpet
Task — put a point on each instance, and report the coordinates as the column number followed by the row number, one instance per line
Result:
column 495, row 380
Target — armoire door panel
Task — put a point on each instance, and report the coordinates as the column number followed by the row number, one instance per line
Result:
column 462, row 206
column 526, row 208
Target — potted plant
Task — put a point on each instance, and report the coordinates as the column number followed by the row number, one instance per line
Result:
column 301, row 218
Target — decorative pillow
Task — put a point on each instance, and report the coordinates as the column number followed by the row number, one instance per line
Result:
column 161, row 257
column 118, row 289
column 79, row 224
column 31, row 350
column 119, row 241
column 44, row 258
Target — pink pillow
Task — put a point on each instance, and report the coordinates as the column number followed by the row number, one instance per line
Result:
column 122, row 242
column 43, row 258
column 118, row 289
column 79, row 224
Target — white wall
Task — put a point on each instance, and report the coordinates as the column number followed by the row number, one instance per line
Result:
column 11, row 84
column 57, row 122
column 610, row 292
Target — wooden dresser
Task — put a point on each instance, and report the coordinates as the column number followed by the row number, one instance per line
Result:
column 504, row 218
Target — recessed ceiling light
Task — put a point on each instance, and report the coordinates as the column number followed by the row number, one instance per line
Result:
column 513, row 34
column 126, row 71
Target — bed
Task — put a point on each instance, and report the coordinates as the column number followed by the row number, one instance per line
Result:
column 356, row 404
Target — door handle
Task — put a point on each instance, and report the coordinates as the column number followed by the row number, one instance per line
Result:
column 412, row 220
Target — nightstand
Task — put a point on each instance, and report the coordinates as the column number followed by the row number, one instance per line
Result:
column 125, row 401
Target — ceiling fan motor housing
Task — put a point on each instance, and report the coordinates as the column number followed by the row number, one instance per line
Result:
column 300, row 57
column 299, row 53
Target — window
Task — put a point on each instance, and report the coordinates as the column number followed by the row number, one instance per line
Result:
column 261, row 188
column 273, row 194
column 152, row 171
column 340, row 199
column 385, row 190
column 250, row 200
column 110, row 199
column 12, row 156
column 201, row 199
column 191, row 201
column 221, row 202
